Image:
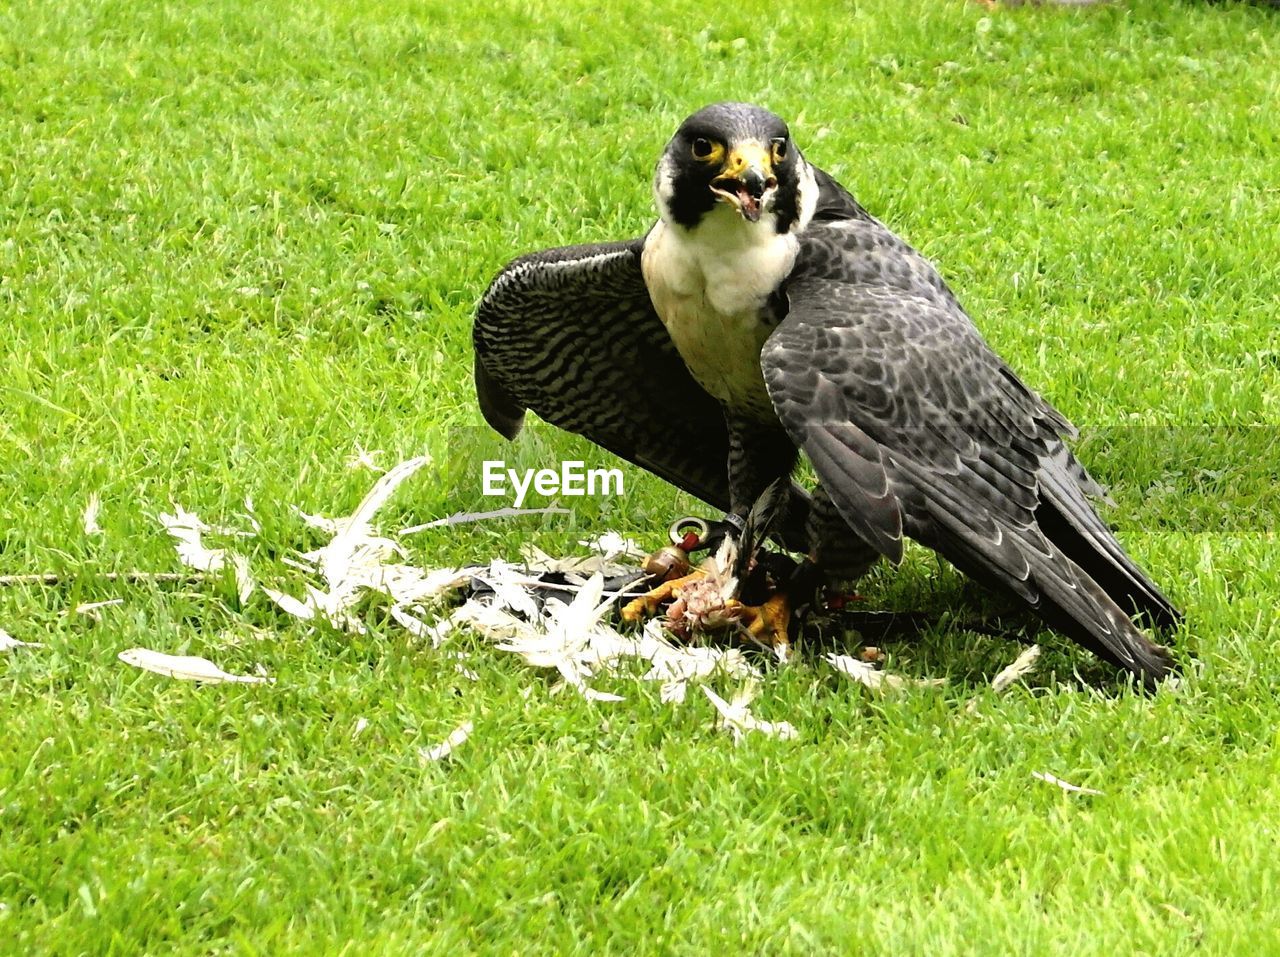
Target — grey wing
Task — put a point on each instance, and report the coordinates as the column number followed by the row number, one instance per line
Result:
column 572, row 334
column 916, row 427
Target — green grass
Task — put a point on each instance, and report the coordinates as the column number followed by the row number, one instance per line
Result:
column 240, row 239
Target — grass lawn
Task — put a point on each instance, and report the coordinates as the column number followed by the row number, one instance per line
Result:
column 241, row 241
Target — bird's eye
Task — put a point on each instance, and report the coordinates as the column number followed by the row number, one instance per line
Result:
column 703, row 148
column 779, row 149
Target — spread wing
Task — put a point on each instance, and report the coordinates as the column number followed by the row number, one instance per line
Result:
column 572, row 334
column 916, row 427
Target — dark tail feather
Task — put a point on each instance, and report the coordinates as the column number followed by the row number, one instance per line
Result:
column 1068, row 520
column 1080, row 608
column 1067, row 600
column 500, row 410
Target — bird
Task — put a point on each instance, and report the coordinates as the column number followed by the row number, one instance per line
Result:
column 765, row 315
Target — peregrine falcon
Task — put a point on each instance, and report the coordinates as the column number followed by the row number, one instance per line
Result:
column 766, row 314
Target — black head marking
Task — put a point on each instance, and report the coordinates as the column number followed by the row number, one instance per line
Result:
column 721, row 125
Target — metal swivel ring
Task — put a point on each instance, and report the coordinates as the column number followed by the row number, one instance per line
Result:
column 681, row 528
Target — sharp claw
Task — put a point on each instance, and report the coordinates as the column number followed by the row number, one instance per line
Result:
column 636, row 609
column 647, row 604
column 773, row 620
column 768, row 623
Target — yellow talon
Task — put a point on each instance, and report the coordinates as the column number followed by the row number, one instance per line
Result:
column 767, row 623
column 700, row 606
column 647, row 604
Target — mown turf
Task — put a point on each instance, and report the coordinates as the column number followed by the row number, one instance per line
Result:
column 241, row 240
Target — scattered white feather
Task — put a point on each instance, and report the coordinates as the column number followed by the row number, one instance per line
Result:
column 865, row 673
column 678, row 665
column 447, row 746
column 463, row 518
column 410, row 622
column 584, row 640
column 188, row 530
column 8, row 642
column 736, row 716
column 290, row 605
column 252, row 518
column 351, row 563
column 673, row 692
column 408, row 584
column 493, row 623
column 572, row 637
column 91, row 608
column 612, row 545
column 575, row 639
column 591, row 694
column 244, row 578
column 358, row 523
column 185, row 667
column 458, row 658
column 1065, row 785
column 565, row 636
column 536, row 560
column 325, row 524
column 440, row 632
column 334, row 606
column 510, row 586
column 357, row 560
column 1020, row 666
column 363, row 458
column 91, row 526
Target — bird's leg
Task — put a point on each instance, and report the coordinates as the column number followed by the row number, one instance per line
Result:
column 711, row 597
column 702, row 602
column 671, row 567
column 768, row 623
column 647, row 604
column 784, row 591
column 759, row 454
column 838, row 556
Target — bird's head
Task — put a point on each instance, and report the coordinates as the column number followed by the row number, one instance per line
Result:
column 735, row 157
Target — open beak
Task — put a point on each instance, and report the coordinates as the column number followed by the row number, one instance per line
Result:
column 746, row 180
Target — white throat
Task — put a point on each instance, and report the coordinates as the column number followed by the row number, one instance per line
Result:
column 711, row 286
column 730, row 264
column 735, row 265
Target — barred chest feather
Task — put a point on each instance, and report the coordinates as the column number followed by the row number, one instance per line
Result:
column 712, row 289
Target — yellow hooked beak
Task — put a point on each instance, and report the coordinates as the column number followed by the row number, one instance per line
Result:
column 745, row 178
